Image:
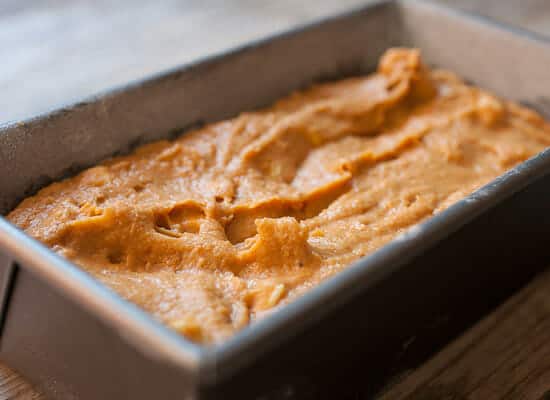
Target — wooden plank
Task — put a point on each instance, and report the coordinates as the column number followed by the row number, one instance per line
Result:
column 13, row 387
column 505, row 356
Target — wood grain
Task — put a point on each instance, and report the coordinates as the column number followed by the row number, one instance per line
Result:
column 54, row 52
column 13, row 387
column 505, row 356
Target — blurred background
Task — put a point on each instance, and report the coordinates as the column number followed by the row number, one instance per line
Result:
column 54, row 52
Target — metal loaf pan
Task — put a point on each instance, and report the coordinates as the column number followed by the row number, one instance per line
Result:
column 75, row 339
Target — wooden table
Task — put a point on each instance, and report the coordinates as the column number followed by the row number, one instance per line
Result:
column 56, row 51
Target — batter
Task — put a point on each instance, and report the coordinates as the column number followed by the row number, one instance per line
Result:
column 216, row 229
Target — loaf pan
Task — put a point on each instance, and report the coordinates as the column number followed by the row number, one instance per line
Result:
column 76, row 339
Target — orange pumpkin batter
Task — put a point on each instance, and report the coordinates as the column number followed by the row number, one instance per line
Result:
column 214, row 230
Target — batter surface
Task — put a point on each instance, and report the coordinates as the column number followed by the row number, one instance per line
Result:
column 216, row 229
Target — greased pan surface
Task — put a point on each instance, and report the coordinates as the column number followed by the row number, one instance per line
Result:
column 76, row 339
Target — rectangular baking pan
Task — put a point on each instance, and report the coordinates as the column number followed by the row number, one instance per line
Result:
column 75, row 339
